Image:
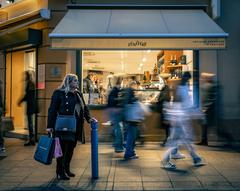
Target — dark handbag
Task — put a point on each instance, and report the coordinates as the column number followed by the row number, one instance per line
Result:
column 66, row 123
column 45, row 150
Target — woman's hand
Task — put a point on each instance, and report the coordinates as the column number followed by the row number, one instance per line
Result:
column 49, row 130
column 91, row 120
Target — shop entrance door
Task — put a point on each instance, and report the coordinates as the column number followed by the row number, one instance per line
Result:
column 16, row 63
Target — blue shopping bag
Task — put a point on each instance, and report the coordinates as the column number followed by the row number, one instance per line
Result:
column 45, row 150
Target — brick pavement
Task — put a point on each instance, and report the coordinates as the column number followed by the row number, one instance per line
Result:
column 18, row 171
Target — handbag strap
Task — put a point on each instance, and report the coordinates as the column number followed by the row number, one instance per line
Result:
column 80, row 96
column 81, row 99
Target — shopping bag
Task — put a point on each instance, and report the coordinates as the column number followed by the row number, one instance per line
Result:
column 58, row 150
column 136, row 112
column 45, row 150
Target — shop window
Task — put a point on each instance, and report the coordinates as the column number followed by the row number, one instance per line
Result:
column 150, row 68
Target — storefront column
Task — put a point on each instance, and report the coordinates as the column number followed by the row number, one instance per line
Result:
column 79, row 67
column 196, row 78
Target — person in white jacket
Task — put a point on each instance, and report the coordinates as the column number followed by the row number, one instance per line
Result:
column 179, row 115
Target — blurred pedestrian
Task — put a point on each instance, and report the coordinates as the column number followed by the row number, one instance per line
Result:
column 68, row 101
column 115, row 114
column 31, row 106
column 179, row 114
column 163, row 97
column 129, row 99
column 88, row 84
column 208, row 103
column 2, row 148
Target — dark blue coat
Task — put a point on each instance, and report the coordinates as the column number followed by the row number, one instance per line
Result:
column 113, row 97
column 64, row 104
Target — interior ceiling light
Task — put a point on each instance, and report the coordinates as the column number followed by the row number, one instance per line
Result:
column 86, row 53
column 10, row 1
column 144, row 59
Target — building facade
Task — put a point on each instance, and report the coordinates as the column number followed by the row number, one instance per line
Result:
column 39, row 18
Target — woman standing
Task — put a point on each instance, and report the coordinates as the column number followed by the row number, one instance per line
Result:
column 67, row 100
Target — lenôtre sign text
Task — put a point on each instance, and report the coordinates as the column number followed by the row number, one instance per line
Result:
column 147, row 43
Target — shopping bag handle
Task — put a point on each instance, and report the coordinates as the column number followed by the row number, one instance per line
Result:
column 50, row 132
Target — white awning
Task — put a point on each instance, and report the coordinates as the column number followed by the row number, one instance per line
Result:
column 137, row 29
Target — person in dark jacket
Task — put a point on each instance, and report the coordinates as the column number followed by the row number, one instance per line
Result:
column 115, row 113
column 163, row 97
column 30, row 99
column 208, row 102
column 67, row 100
column 131, row 126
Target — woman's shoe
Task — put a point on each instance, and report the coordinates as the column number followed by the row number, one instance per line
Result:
column 69, row 173
column 62, row 176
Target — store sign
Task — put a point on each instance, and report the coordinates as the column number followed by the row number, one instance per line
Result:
column 145, row 43
column 137, row 43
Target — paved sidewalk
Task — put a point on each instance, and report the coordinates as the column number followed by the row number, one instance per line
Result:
column 18, row 171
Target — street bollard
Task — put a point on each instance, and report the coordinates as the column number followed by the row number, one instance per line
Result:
column 94, row 148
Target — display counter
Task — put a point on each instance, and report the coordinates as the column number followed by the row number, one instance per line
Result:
column 151, row 130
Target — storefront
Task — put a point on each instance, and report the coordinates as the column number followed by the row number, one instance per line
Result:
column 21, row 37
column 163, row 43
column 20, row 56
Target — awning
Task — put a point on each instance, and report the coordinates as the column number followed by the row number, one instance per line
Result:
column 137, row 29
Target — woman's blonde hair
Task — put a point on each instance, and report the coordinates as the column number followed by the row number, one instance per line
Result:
column 66, row 82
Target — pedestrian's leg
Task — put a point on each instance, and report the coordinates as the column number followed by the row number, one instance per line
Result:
column 118, row 137
column 30, row 130
column 131, row 131
column 60, row 162
column 68, row 157
column 166, row 159
column 197, row 160
column 135, row 129
column 191, row 150
column 169, row 152
column 124, row 128
column 204, row 134
column 30, row 127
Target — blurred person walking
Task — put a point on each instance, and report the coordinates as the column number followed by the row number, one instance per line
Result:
column 31, row 105
column 179, row 115
column 129, row 99
column 163, row 97
column 67, row 101
column 208, row 103
column 115, row 114
column 2, row 148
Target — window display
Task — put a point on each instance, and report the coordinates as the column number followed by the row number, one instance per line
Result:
column 150, row 69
